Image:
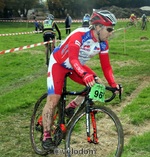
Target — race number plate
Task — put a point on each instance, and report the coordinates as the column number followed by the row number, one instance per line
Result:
column 97, row 92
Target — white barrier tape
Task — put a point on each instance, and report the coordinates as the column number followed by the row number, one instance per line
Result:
column 59, row 21
column 20, row 33
column 32, row 21
column 34, row 45
column 24, row 47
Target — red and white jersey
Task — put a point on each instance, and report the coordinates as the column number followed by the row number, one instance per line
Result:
column 79, row 47
column 82, row 45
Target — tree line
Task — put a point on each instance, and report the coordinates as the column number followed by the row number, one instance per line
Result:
column 76, row 8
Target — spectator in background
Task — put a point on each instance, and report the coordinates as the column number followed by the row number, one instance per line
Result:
column 36, row 24
column 34, row 16
column 85, row 20
column 68, row 22
column 144, row 20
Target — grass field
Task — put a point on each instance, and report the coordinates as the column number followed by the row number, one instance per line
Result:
column 23, row 81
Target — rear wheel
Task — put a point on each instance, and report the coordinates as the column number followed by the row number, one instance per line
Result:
column 36, row 129
column 109, row 133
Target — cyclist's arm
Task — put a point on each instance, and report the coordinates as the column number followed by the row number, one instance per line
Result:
column 107, row 69
column 58, row 31
column 73, row 53
column 73, row 58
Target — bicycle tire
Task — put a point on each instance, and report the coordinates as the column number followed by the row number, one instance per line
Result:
column 138, row 25
column 36, row 131
column 108, row 127
column 129, row 24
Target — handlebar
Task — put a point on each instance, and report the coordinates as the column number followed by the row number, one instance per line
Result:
column 87, row 89
column 113, row 90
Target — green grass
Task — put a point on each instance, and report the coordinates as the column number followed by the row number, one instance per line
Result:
column 138, row 146
column 138, row 111
column 23, row 81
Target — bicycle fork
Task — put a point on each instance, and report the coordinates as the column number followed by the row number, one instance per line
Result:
column 90, row 117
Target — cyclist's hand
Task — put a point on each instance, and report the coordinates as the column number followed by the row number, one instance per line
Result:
column 89, row 80
column 119, row 88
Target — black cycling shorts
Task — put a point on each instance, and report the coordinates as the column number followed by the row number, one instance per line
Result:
column 47, row 37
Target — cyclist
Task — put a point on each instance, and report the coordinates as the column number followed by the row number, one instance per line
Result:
column 86, row 20
column 144, row 20
column 49, row 26
column 133, row 19
column 80, row 46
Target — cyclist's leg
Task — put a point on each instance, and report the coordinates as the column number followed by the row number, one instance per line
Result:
column 46, row 38
column 144, row 25
column 53, row 43
column 75, row 77
column 55, row 80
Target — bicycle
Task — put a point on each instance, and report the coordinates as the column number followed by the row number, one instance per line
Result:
column 103, row 129
column 135, row 23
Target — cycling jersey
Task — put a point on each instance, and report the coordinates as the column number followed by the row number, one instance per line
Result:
column 86, row 18
column 49, row 30
column 48, row 25
column 79, row 47
column 144, row 18
column 133, row 18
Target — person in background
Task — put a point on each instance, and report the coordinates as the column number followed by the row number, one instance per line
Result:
column 144, row 20
column 68, row 22
column 133, row 19
column 49, row 26
column 71, row 56
column 36, row 24
column 86, row 20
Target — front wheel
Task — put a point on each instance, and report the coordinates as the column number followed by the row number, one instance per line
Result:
column 129, row 24
column 109, row 134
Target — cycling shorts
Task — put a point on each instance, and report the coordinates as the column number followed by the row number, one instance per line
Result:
column 56, row 75
column 48, row 36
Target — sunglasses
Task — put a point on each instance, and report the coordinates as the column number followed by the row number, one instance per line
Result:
column 109, row 29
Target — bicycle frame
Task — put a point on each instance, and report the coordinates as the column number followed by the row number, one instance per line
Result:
column 85, row 105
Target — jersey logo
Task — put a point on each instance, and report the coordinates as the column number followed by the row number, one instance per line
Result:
column 86, row 36
column 103, row 46
column 48, row 24
column 96, row 48
column 77, row 43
